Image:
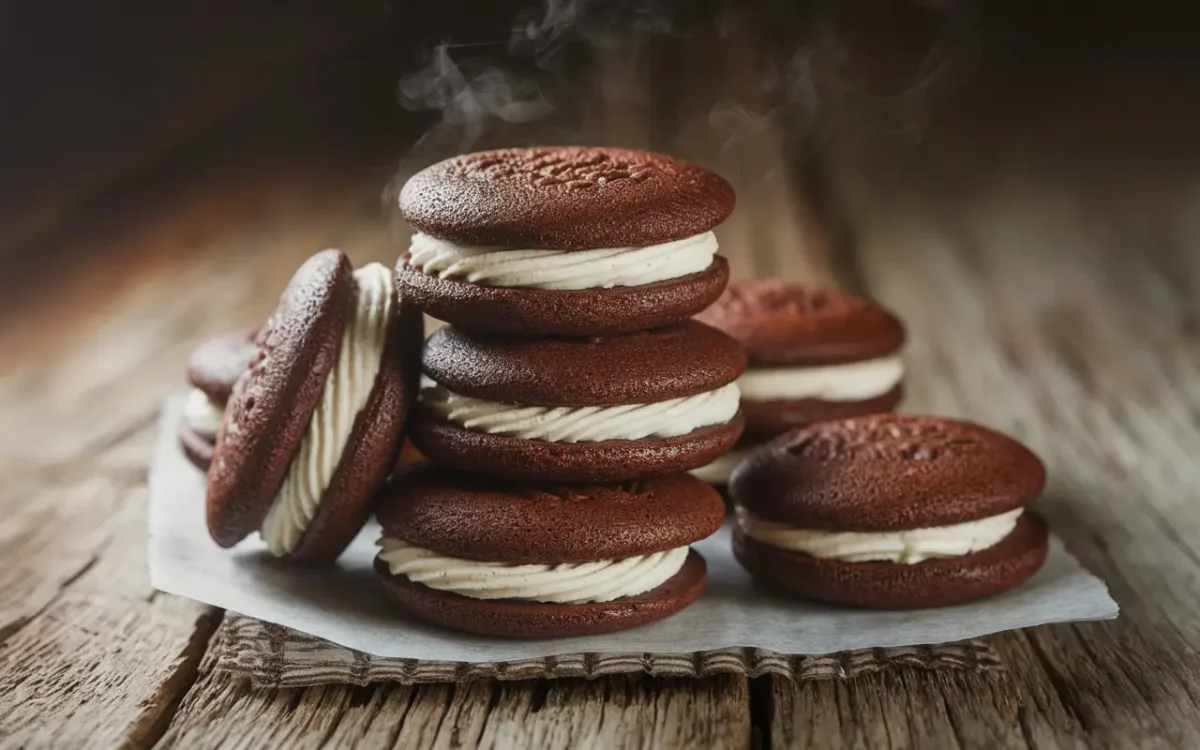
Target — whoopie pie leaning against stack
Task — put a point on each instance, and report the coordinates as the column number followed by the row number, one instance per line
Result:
column 567, row 394
column 814, row 354
column 313, row 427
column 890, row 511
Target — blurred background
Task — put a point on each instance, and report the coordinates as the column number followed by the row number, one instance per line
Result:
column 164, row 166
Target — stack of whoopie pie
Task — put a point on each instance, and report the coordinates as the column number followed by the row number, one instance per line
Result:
column 567, row 396
column 815, row 354
column 212, row 369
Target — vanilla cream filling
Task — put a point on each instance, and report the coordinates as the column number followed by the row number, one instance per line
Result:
column 856, row 381
column 347, row 389
column 562, row 269
column 719, row 470
column 564, row 583
column 907, row 547
column 578, row 424
column 202, row 415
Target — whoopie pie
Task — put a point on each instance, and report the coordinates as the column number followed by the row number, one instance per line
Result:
column 814, row 354
column 212, row 369
column 563, row 240
column 597, row 409
column 314, row 425
column 541, row 561
column 890, row 511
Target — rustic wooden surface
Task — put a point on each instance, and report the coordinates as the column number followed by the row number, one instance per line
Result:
column 1059, row 308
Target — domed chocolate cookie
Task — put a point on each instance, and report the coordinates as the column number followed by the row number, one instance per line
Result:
column 541, row 561
column 579, row 410
column 890, row 511
column 564, row 241
column 815, row 354
column 314, row 426
column 213, row 367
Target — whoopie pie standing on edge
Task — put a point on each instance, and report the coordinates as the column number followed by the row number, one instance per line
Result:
column 567, row 276
column 563, row 241
column 213, row 367
column 313, row 427
column 543, row 561
column 890, row 511
column 814, row 354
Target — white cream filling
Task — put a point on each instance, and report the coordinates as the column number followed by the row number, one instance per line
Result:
column 855, row 381
column 578, row 424
column 201, row 415
column 907, row 547
column 562, row 269
column 565, row 583
column 347, row 389
column 719, row 470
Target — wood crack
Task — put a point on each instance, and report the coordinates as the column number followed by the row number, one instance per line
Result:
column 162, row 706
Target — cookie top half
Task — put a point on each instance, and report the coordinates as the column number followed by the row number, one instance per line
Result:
column 888, row 472
column 565, row 198
column 785, row 324
column 645, row 367
column 483, row 519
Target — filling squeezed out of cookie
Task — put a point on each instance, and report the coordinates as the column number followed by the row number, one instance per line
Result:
column 202, row 415
column 577, row 424
column 562, row 583
column 517, row 268
column 907, row 547
column 855, row 381
column 347, row 389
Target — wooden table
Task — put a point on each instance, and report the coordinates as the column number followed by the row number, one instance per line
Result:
column 1057, row 304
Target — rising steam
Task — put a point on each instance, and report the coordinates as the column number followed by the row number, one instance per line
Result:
column 527, row 85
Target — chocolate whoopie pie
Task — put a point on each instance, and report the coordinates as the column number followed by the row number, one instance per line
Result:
column 314, row 425
column 814, row 354
column 600, row 409
column 543, row 561
column 213, row 367
column 564, row 240
column 890, row 511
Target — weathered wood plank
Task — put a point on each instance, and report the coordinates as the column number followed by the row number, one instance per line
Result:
column 90, row 654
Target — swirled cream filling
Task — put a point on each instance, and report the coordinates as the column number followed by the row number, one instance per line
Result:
column 202, row 415
column 719, row 470
column 564, row 583
column 578, row 424
column 855, row 381
column 347, row 389
column 906, row 547
column 562, row 269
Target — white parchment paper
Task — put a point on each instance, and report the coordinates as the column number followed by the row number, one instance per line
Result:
column 346, row 605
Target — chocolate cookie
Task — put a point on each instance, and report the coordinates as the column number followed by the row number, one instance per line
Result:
column 543, row 561
column 213, row 367
column 815, row 354
column 564, row 241
column 314, row 426
column 890, row 511
column 579, row 410
column 785, row 325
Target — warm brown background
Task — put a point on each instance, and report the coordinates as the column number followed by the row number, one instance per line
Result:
column 1027, row 202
